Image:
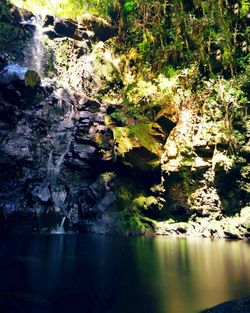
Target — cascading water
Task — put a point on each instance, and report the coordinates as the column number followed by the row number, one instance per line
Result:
column 58, row 195
column 53, row 170
column 37, row 48
column 35, row 52
column 60, row 228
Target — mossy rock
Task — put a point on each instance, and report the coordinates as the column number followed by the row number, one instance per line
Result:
column 32, row 79
column 137, row 147
column 145, row 203
column 134, row 223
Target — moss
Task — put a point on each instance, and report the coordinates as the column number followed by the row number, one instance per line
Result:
column 137, row 147
column 32, row 79
column 136, row 136
column 145, row 203
column 134, row 223
column 119, row 118
column 124, row 197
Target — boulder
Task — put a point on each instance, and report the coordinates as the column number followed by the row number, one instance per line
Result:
column 48, row 21
column 103, row 31
column 51, row 34
column 32, row 79
column 101, row 28
column 137, row 148
column 234, row 306
column 65, row 28
column 21, row 15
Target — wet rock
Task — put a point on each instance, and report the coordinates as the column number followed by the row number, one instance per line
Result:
column 59, row 196
column 51, row 34
column 77, row 164
column 9, row 113
column 234, row 306
column 48, row 21
column 109, row 198
column 84, row 151
column 89, row 104
column 66, row 28
column 86, row 116
column 17, row 148
column 41, row 192
column 12, row 73
column 96, row 191
column 21, row 14
column 5, row 128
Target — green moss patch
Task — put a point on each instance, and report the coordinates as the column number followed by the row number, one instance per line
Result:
column 137, row 147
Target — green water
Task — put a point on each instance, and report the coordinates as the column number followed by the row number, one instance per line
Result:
column 90, row 273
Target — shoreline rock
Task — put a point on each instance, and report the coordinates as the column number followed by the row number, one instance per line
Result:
column 233, row 306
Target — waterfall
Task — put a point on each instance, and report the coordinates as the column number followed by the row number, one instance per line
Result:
column 53, row 170
column 35, row 53
column 58, row 194
column 60, row 228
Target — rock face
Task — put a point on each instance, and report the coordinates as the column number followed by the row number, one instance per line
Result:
column 65, row 155
column 201, row 180
column 51, row 161
column 55, row 149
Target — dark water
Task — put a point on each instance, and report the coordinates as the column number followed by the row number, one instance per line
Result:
column 70, row 273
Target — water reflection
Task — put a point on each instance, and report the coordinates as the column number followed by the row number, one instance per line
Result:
column 65, row 273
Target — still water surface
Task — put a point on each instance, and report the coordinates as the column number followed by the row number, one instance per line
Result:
column 101, row 274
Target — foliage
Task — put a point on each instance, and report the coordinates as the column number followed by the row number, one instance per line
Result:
column 130, row 218
column 177, row 32
column 130, row 7
column 173, row 33
column 69, row 8
column 226, row 107
column 166, row 91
